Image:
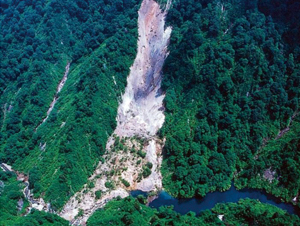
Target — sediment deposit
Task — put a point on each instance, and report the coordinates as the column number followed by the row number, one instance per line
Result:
column 133, row 146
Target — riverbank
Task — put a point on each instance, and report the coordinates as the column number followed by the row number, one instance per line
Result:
column 232, row 195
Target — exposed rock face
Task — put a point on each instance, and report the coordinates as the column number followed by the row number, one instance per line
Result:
column 154, row 181
column 133, row 153
column 269, row 175
column 141, row 110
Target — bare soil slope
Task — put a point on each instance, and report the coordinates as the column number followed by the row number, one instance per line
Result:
column 133, row 156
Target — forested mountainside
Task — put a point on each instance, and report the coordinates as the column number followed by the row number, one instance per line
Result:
column 38, row 39
column 13, row 206
column 231, row 83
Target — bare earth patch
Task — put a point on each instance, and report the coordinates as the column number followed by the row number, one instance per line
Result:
column 269, row 175
column 133, row 153
column 122, row 170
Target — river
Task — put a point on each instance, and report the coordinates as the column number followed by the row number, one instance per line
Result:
column 197, row 205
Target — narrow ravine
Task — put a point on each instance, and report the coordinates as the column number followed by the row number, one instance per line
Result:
column 55, row 98
column 133, row 152
column 38, row 203
column 4, row 109
column 287, row 129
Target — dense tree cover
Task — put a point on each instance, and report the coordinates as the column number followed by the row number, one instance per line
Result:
column 11, row 213
column 130, row 211
column 10, row 193
column 37, row 39
column 232, row 83
column 252, row 212
column 284, row 12
column 280, row 157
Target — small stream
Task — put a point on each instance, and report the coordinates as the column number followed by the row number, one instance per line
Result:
column 33, row 203
column 197, row 205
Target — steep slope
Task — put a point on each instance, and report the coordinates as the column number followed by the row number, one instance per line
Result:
column 232, row 84
column 59, row 88
column 229, row 109
column 141, row 111
column 14, row 206
column 140, row 115
column 37, row 40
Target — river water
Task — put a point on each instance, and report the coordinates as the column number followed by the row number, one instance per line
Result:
column 197, row 205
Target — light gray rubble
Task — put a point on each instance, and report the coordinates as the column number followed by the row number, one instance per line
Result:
column 140, row 116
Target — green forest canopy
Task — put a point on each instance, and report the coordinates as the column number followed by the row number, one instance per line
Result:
column 12, row 214
column 130, row 211
column 38, row 38
column 231, row 81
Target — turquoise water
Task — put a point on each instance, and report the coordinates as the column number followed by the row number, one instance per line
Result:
column 197, row 205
